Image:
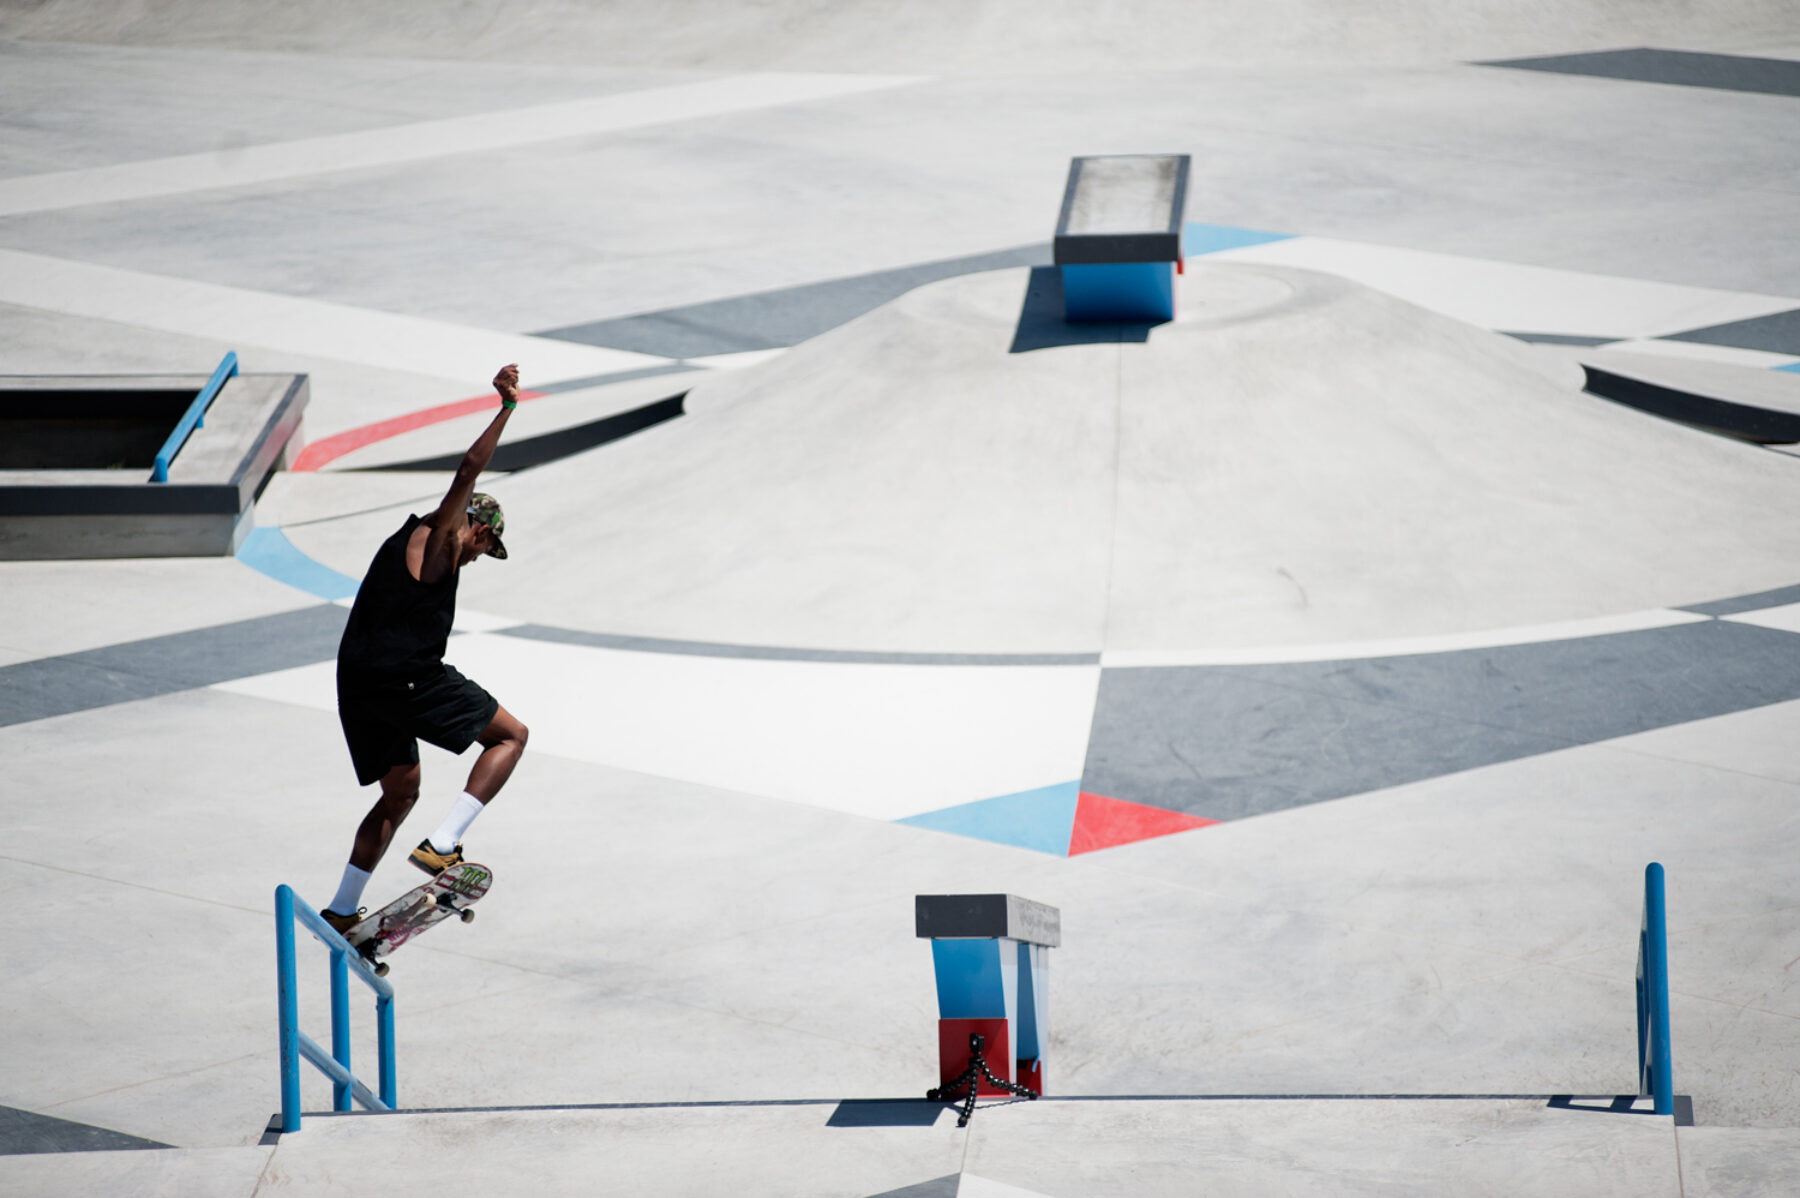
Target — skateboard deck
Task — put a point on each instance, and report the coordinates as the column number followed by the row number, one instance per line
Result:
column 453, row 892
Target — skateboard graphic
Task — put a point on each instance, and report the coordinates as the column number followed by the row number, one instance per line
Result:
column 453, row 892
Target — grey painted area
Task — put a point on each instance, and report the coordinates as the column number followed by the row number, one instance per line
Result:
column 1731, row 72
column 777, row 319
column 940, row 1187
column 1233, row 741
column 644, row 644
column 1778, row 334
column 1778, row 597
column 52, row 686
column 25, row 1132
column 1559, row 339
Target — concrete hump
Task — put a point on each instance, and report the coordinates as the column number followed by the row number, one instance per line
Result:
column 1296, row 459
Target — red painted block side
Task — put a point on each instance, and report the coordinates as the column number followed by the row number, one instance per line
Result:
column 1030, row 1074
column 953, row 1050
column 1101, row 823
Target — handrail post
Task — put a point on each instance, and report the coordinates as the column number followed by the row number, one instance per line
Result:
column 288, row 1015
column 297, row 1045
column 340, row 1027
column 1655, row 1076
column 384, row 1031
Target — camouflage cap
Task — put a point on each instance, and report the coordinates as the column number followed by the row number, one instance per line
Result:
column 485, row 509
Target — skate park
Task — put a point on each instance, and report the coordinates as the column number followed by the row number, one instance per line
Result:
column 1334, row 656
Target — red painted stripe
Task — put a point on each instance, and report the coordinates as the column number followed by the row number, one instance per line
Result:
column 1102, row 823
column 327, row 449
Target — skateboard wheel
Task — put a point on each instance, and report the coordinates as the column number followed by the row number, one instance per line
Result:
column 381, row 968
column 468, row 916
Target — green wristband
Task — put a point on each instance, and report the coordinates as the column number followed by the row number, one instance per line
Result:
column 509, row 404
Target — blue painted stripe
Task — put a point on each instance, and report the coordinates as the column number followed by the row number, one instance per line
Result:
column 1040, row 819
column 1791, row 368
column 269, row 550
column 1197, row 238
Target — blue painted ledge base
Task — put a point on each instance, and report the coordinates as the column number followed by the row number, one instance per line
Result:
column 1119, row 291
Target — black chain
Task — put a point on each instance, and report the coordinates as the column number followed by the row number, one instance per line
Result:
column 970, row 1077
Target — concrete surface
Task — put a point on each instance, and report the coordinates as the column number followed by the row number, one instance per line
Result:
column 703, row 894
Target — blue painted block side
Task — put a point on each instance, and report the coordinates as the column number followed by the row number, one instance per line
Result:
column 1110, row 291
column 976, row 979
column 1040, row 819
column 269, row 550
column 1033, row 1030
column 1197, row 238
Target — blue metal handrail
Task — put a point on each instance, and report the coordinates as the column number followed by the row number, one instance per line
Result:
column 194, row 417
column 1654, row 1076
column 296, row 1043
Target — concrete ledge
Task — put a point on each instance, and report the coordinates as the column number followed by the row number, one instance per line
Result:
column 204, row 508
column 980, row 916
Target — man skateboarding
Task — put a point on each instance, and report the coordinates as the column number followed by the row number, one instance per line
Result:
column 393, row 685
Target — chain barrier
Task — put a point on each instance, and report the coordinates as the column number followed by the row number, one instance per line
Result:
column 971, row 1077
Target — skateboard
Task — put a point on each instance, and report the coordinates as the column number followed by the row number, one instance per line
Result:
column 453, row 892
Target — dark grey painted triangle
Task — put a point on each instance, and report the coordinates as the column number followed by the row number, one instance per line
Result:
column 1684, row 68
column 1776, row 333
column 162, row 665
column 776, row 319
column 24, row 1132
column 943, row 1187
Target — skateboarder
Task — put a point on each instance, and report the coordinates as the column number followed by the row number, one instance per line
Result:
column 394, row 687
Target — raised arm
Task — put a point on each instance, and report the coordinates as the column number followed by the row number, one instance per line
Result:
column 452, row 515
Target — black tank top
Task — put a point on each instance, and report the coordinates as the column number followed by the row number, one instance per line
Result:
column 398, row 624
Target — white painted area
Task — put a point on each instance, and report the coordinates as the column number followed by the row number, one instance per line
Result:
column 1700, row 351
column 884, row 741
column 971, row 1186
column 1515, row 298
column 248, row 319
column 417, row 142
column 1565, row 630
column 470, row 620
column 1785, row 618
column 737, row 361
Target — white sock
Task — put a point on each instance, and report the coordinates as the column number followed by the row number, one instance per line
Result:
column 349, row 890
column 462, row 814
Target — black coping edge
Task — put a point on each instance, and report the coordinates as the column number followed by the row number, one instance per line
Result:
column 1105, row 249
column 554, row 446
column 1745, row 422
column 984, row 916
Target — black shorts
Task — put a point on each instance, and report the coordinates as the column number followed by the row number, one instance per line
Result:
column 382, row 717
